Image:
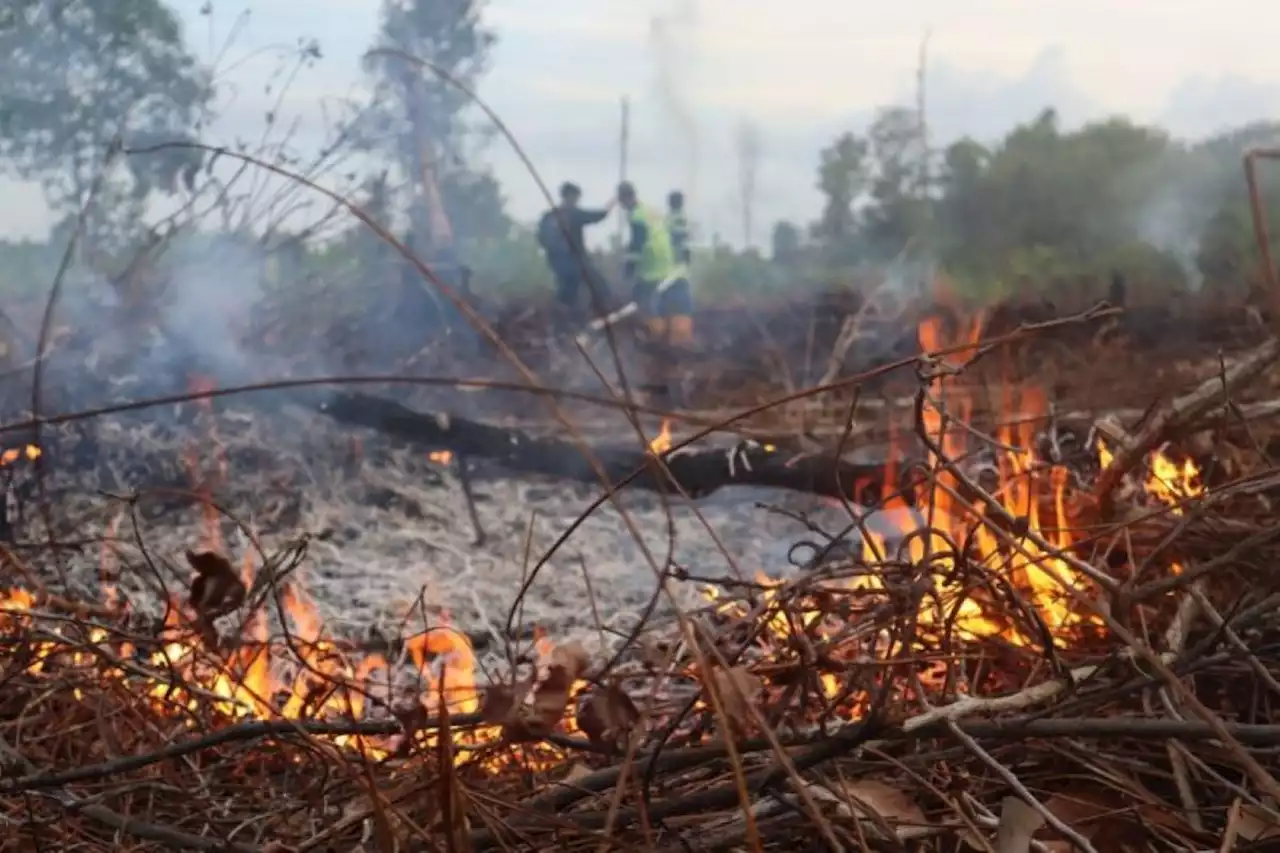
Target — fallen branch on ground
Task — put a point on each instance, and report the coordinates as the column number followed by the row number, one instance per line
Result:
column 697, row 472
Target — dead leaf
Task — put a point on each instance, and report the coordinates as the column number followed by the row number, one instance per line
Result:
column 654, row 654
column 576, row 772
column 1086, row 812
column 216, row 589
column 738, row 689
column 1256, row 824
column 551, row 696
column 1019, row 823
column 608, row 716
column 572, row 657
column 500, row 703
column 876, row 799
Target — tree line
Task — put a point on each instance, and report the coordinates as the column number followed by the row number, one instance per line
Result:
column 1044, row 207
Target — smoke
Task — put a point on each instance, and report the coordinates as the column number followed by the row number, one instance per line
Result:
column 1173, row 222
column 674, row 38
column 181, row 313
column 213, row 285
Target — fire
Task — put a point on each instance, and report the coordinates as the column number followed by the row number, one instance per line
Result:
column 1030, row 557
column 12, row 454
column 297, row 672
column 1032, row 490
column 440, row 457
column 303, row 675
column 661, row 443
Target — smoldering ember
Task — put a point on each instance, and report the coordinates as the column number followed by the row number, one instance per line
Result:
column 405, row 524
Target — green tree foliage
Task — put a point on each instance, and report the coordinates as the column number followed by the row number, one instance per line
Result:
column 842, row 179
column 76, row 75
column 415, row 115
column 1045, row 207
column 898, row 207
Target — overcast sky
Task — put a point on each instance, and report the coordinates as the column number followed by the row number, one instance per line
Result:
column 800, row 71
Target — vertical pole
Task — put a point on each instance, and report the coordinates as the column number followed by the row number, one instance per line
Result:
column 624, row 143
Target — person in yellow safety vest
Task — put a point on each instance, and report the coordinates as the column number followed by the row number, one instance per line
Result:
column 678, row 227
column 659, row 283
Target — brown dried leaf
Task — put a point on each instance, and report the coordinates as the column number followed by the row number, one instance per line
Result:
column 1256, row 825
column 738, row 689
column 1083, row 810
column 654, row 654
column 609, row 716
column 576, row 772
column 501, row 703
column 216, row 589
column 877, row 799
column 551, row 696
column 1019, row 823
column 571, row 657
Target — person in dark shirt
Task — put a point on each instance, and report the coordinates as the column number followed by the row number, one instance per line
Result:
column 560, row 234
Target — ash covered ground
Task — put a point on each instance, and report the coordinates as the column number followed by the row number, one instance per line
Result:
column 388, row 524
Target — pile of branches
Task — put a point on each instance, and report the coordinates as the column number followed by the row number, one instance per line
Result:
column 919, row 696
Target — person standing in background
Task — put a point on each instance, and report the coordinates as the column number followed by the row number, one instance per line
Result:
column 659, row 288
column 649, row 262
column 680, row 321
column 678, row 227
column 560, row 234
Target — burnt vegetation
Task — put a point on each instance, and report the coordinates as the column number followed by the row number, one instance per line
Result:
column 1019, row 401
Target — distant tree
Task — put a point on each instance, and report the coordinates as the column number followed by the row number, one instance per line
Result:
column 73, row 77
column 962, row 220
column 1228, row 252
column 786, row 243
column 420, row 120
column 898, row 206
column 842, row 179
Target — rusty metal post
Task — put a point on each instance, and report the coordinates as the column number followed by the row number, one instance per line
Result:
column 1261, row 229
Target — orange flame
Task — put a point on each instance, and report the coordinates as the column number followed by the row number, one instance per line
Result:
column 304, row 675
column 12, row 454
column 1031, row 490
column 440, row 457
column 661, row 443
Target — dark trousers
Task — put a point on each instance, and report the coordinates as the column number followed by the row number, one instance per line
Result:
column 575, row 285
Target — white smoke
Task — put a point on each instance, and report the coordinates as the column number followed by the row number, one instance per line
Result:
column 674, row 37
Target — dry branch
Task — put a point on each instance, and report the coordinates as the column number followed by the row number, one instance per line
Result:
column 1131, row 449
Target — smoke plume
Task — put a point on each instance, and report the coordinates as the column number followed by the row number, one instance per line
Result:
column 674, row 39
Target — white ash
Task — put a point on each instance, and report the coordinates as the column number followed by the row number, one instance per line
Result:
column 400, row 529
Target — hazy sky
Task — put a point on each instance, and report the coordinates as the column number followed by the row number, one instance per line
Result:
column 800, row 71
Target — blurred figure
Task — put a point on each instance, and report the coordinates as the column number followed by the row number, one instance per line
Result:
column 560, row 234
column 680, row 321
column 651, row 269
column 678, row 227
column 658, row 286
column 1118, row 291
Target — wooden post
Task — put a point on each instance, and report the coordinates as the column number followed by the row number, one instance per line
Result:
column 624, row 143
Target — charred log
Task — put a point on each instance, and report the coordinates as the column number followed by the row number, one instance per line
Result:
column 695, row 471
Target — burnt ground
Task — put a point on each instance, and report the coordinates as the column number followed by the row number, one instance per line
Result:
column 386, row 523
